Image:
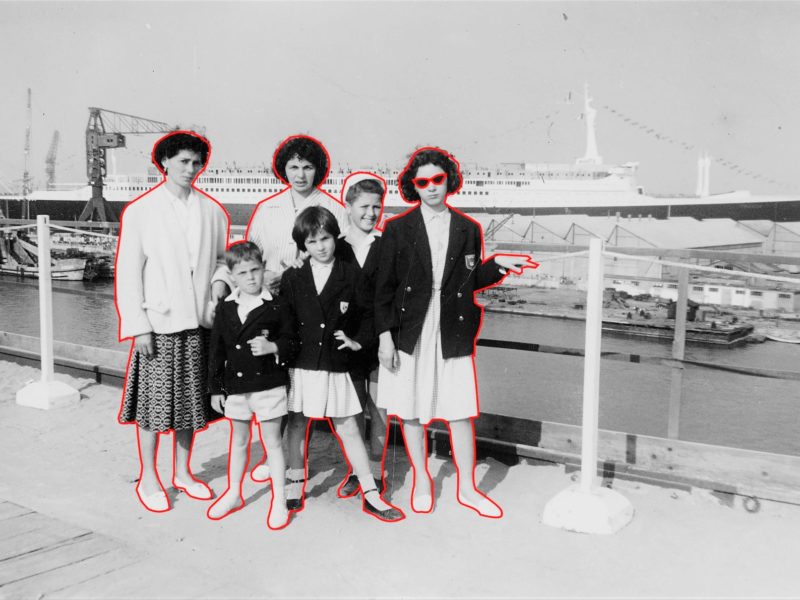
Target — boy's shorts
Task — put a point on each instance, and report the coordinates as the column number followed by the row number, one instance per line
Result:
column 265, row 405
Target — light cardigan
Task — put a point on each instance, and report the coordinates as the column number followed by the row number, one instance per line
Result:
column 271, row 225
column 158, row 288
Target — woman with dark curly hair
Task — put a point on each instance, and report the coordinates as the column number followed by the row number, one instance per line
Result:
column 302, row 163
column 172, row 240
column 431, row 266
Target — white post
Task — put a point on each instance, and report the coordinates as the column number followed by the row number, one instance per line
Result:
column 587, row 507
column 591, row 365
column 45, row 297
column 46, row 393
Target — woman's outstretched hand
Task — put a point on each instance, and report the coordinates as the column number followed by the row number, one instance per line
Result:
column 144, row 345
column 515, row 263
column 387, row 353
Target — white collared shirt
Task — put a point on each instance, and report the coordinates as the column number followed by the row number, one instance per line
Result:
column 437, row 226
column 246, row 302
column 321, row 273
column 361, row 245
column 188, row 214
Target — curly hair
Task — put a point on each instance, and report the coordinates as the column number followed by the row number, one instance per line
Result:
column 171, row 144
column 304, row 148
column 312, row 220
column 429, row 156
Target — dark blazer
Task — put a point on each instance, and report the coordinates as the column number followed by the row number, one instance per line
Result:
column 316, row 317
column 365, row 360
column 404, row 282
column 232, row 367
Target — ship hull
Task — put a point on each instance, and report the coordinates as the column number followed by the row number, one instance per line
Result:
column 699, row 208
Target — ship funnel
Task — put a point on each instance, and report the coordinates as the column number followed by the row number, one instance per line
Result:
column 703, row 175
column 589, row 113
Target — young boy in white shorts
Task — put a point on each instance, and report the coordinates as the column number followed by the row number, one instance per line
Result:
column 252, row 341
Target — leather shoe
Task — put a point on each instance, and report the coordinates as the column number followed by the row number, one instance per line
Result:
column 195, row 489
column 390, row 515
column 155, row 502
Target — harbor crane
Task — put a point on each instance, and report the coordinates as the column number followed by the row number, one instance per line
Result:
column 50, row 161
column 107, row 129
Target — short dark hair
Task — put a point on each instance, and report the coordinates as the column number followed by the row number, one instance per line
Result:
column 170, row 145
column 366, row 186
column 304, row 148
column 310, row 221
column 239, row 252
column 429, row 156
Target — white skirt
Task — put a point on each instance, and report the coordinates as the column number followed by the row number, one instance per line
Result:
column 427, row 386
column 319, row 394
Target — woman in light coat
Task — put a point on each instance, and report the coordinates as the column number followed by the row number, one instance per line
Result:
column 172, row 241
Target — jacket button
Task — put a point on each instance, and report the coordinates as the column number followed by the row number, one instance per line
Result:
column 239, row 374
column 452, row 258
column 459, row 294
column 322, row 325
column 258, row 372
column 460, row 318
column 403, row 309
column 408, row 289
column 320, row 343
column 238, row 346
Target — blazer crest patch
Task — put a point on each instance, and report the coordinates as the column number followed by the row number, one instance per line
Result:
column 469, row 259
column 343, row 306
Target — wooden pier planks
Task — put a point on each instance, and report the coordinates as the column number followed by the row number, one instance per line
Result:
column 40, row 555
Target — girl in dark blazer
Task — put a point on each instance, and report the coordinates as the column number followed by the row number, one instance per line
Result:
column 431, row 266
column 333, row 321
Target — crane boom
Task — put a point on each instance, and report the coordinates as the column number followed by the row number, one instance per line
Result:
column 50, row 161
column 107, row 129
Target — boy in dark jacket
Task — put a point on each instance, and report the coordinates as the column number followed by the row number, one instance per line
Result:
column 252, row 342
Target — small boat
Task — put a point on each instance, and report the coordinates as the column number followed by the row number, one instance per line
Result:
column 783, row 335
column 19, row 257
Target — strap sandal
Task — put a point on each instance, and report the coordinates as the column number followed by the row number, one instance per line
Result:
column 295, row 504
column 351, row 486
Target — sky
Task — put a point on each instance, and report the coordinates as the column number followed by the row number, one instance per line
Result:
column 491, row 82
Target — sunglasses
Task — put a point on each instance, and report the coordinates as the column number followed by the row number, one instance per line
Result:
column 423, row 182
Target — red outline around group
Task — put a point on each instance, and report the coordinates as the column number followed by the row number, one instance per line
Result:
column 379, row 225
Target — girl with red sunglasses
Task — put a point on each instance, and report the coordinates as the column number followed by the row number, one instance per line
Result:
column 431, row 266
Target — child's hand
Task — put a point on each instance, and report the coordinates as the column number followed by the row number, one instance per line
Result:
column 218, row 403
column 261, row 346
column 346, row 341
column 272, row 282
column 387, row 353
column 297, row 263
column 515, row 263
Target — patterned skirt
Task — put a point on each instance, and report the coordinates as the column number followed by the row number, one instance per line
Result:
column 168, row 391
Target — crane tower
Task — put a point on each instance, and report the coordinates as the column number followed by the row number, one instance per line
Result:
column 107, row 129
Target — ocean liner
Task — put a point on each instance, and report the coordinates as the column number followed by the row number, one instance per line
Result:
column 588, row 186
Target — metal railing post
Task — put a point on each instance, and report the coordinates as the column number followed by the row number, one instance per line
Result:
column 591, row 365
column 678, row 353
column 588, row 507
column 46, row 393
